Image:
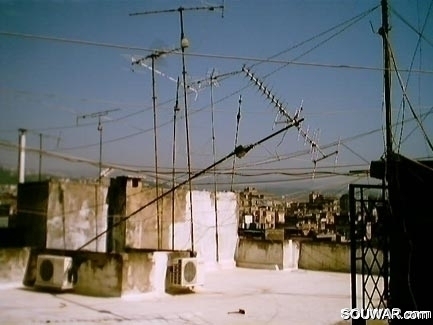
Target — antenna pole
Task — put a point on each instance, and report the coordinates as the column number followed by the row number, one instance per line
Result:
column 158, row 218
column 383, row 31
column 173, row 175
column 98, row 115
column 184, row 44
column 214, row 169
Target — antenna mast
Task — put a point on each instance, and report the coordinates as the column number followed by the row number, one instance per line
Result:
column 173, row 175
column 212, row 79
column 184, row 43
column 41, row 136
column 98, row 115
column 155, row 55
column 383, row 31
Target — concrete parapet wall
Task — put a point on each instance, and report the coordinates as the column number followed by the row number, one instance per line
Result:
column 264, row 254
column 97, row 274
column 303, row 254
column 144, row 271
column 334, row 257
column 103, row 274
column 13, row 262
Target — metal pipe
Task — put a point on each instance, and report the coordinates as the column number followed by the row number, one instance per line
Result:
column 22, row 156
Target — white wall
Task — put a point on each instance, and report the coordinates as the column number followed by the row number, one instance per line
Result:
column 203, row 208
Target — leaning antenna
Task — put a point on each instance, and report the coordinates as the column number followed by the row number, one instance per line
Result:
column 282, row 110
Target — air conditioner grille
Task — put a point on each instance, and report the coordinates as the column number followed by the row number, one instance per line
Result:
column 190, row 271
column 46, row 270
column 184, row 272
column 54, row 272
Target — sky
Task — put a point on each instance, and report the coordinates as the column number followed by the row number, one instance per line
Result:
column 66, row 66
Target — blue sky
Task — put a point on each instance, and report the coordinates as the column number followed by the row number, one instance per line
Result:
column 63, row 60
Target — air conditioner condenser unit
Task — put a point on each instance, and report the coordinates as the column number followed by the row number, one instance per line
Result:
column 54, row 272
column 184, row 272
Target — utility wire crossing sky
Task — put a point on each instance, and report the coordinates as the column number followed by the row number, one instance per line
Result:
column 83, row 78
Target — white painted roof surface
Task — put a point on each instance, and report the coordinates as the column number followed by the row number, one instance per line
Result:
column 267, row 297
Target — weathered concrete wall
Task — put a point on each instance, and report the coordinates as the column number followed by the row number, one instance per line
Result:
column 76, row 213
column 13, row 262
column 98, row 274
column 335, row 257
column 267, row 254
column 144, row 271
column 141, row 229
column 260, row 254
column 103, row 274
column 62, row 214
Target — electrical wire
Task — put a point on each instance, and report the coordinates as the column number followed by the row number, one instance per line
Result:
column 204, row 55
column 409, row 102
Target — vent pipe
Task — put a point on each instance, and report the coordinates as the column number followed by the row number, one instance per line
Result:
column 22, row 156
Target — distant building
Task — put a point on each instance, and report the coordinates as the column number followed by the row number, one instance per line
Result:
column 259, row 211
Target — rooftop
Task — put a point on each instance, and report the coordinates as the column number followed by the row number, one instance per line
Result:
column 266, row 296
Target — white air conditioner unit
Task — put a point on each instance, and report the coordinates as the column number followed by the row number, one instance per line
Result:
column 184, row 272
column 54, row 272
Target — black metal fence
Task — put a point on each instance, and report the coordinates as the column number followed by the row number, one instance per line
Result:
column 369, row 247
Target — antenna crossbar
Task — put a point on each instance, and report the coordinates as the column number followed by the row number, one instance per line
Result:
column 180, row 9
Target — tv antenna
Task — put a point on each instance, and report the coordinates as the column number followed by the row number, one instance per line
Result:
column 317, row 153
column 41, row 137
column 142, row 62
column 153, row 57
column 184, row 43
column 98, row 115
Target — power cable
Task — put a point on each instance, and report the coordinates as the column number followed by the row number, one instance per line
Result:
column 215, row 56
column 239, row 151
column 420, row 34
column 409, row 102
